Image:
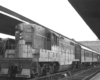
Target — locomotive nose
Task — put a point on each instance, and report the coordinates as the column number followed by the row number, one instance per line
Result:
column 16, row 68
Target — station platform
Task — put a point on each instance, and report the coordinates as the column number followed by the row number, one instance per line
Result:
column 96, row 77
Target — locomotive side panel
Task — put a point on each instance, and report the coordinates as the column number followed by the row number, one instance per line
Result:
column 72, row 51
column 39, row 38
column 67, row 53
column 68, row 49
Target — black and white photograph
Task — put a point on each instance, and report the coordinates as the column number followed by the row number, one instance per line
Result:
column 49, row 40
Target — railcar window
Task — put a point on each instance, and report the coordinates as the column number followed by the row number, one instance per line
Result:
column 71, row 43
column 48, row 35
column 54, row 37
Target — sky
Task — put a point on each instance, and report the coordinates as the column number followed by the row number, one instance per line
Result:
column 57, row 15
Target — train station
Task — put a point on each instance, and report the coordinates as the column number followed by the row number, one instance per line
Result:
column 37, row 52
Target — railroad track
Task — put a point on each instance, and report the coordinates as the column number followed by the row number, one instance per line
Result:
column 84, row 75
column 58, row 76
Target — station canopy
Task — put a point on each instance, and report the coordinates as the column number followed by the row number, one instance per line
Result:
column 9, row 19
column 89, row 10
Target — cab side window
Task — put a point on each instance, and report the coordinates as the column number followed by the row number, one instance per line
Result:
column 54, row 39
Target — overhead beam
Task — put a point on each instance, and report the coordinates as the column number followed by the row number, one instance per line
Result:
column 89, row 10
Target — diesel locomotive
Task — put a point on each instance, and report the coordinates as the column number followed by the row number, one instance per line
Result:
column 38, row 51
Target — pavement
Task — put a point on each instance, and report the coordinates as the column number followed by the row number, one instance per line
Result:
column 96, row 77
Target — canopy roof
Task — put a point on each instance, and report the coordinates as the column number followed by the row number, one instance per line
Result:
column 89, row 10
column 9, row 19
